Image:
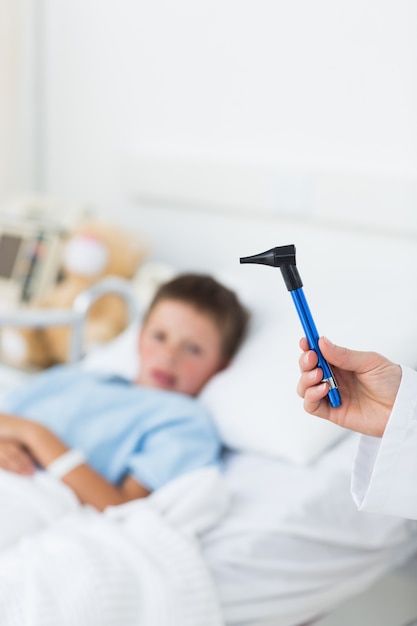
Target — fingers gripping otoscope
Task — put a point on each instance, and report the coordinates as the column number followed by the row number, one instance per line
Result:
column 284, row 258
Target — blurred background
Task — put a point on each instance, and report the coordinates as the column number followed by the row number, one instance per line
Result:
column 263, row 107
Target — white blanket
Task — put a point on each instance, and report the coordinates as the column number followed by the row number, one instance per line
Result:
column 137, row 564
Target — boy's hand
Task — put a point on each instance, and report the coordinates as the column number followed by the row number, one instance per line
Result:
column 14, row 458
column 368, row 384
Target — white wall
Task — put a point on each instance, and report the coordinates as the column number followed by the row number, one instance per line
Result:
column 17, row 97
column 312, row 89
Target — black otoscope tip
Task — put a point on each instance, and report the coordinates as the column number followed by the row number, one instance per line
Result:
column 282, row 257
column 276, row 257
column 264, row 258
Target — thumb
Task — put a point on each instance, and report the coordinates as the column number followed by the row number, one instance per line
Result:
column 344, row 358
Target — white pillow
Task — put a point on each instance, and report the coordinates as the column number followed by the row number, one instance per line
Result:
column 254, row 402
column 118, row 356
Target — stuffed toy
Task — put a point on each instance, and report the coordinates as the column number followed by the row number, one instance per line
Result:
column 93, row 250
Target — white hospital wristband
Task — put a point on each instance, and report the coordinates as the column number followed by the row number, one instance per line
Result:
column 66, row 463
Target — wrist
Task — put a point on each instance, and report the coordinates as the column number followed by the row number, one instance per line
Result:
column 65, row 463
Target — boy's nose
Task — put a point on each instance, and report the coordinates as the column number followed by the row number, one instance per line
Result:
column 171, row 353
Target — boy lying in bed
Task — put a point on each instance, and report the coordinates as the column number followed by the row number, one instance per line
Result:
column 111, row 440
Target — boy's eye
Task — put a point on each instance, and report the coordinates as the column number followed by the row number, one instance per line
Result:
column 158, row 335
column 193, row 348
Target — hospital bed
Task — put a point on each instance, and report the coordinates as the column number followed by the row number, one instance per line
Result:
column 289, row 547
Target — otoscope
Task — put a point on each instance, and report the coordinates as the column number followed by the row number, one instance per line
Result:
column 284, row 258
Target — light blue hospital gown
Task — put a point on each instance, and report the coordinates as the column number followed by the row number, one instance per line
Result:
column 150, row 434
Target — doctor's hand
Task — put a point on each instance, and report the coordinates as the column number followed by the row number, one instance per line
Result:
column 368, row 384
column 14, row 458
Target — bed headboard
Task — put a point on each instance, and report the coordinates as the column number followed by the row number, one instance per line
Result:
column 207, row 212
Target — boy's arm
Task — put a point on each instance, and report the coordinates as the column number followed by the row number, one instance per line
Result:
column 87, row 484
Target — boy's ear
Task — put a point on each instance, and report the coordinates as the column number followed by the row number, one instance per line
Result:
column 223, row 365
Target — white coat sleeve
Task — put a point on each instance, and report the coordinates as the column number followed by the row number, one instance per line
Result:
column 384, row 477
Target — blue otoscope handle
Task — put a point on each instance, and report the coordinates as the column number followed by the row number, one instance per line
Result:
column 313, row 338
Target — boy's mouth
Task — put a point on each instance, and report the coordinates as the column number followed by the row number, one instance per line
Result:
column 163, row 379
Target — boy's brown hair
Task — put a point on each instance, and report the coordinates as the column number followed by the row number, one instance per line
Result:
column 207, row 295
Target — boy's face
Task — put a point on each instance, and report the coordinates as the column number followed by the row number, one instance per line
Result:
column 180, row 348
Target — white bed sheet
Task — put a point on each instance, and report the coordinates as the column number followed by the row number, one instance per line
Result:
column 293, row 544
column 140, row 563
